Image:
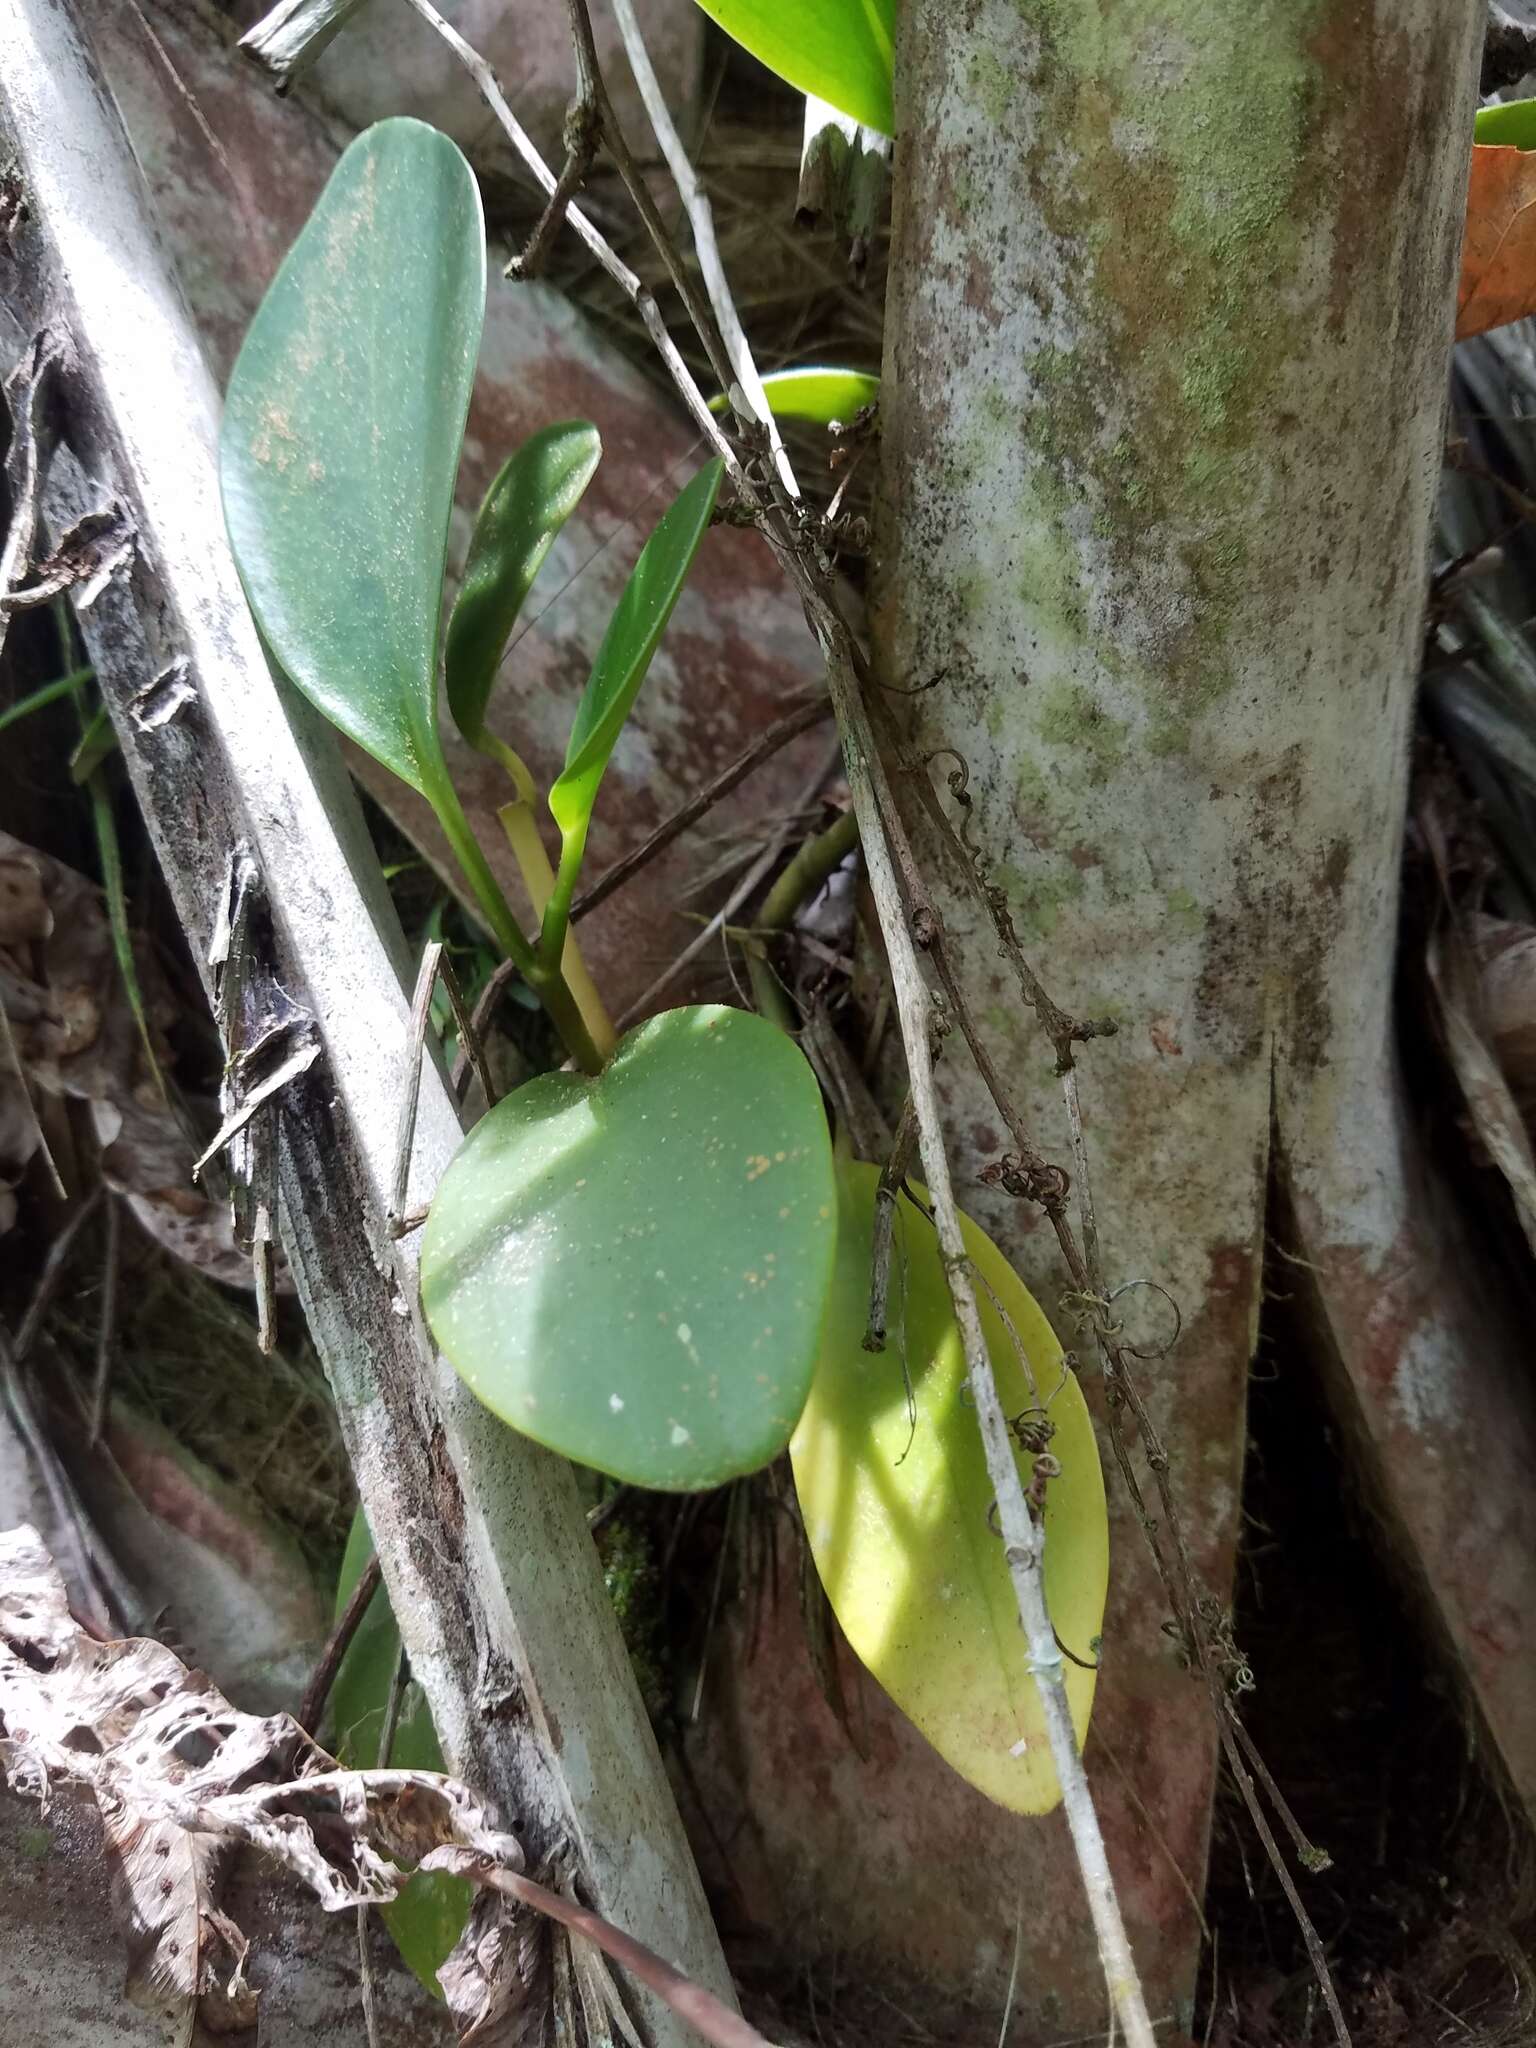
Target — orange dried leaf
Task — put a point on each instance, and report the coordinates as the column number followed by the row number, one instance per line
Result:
column 1498, row 252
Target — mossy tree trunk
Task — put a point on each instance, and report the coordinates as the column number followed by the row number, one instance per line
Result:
column 1167, row 339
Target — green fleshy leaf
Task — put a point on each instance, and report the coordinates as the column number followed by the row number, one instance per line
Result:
column 1510, row 122
column 341, row 439
column 631, row 640
column 632, row 1269
column 839, row 50
column 536, row 491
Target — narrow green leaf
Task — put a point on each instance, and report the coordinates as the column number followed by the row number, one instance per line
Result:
column 536, row 491
column 818, row 395
column 839, row 50
column 1510, row 122
column 341, row 438
column 628, row 645
column 97, row 743
column 428, row 1917
column 46, row 694
column 896, row 1502
column 109, row 852
column 632, row 1269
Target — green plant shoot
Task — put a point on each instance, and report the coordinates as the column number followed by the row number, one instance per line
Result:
column 534, row 493
column 821, row 397
column 633, row 635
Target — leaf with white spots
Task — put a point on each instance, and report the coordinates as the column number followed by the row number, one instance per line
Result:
column 632, row 1268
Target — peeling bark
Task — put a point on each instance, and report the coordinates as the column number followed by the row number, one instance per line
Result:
column 1169, row 314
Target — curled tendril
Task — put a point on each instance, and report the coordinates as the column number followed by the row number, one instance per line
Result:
column 1178, row 1320
column 1091, row 1312
column 958, row 781
column 916, row 689
column 1032, row 1429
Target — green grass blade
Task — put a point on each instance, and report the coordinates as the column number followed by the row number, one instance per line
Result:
column 110, row 855
column 97, row 742
column 49, row 693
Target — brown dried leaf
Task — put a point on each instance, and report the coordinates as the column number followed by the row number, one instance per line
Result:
column 180, row 1775
column 76, row 1035
column 1498, row 251
column 497, row 1981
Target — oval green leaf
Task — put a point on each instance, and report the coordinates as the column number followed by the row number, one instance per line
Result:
column 897, row 1517
column 341, row 438
column 631, row 640
column 839, row 50
column 535, row 492
column 427, row 1919
column 632, row 1269
column 823, row 397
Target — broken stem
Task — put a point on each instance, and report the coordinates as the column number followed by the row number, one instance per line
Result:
column 892, row 1174
column 318, row 1690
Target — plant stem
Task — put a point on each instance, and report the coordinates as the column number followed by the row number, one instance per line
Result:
column 804, row 875
column 557, row 908
column 517, row 822
column 548, row 984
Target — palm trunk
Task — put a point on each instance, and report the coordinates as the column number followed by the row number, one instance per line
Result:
column 1165, row 366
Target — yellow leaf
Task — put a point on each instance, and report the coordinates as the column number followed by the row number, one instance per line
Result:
column 898, row 1517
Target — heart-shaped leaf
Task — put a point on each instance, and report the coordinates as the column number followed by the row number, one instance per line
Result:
column 898, row 1514
column 341, row 438
column 633, row 1268
column 820, row 396
column 534, row 494
column 839, row 50
column 632, row 637
column 427, row 1919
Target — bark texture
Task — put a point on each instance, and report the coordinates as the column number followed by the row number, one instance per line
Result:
column 1166, row 348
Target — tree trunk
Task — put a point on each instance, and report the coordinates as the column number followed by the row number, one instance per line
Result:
column 1166, row 349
